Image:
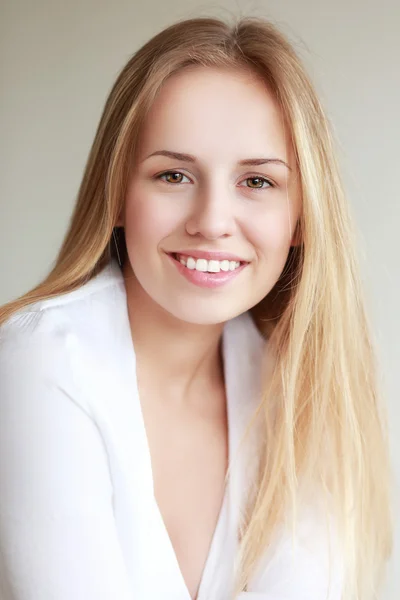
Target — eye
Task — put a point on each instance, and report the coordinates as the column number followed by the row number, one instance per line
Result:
column 259, row 182
column 177, row 176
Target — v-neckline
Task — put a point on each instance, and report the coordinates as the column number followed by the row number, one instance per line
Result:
column 185, row 594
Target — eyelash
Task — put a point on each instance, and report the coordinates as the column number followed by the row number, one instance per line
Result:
column 270, row 184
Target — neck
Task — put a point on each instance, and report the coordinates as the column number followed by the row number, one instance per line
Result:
column 175, row 359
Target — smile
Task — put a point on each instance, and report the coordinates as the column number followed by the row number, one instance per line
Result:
column 207, row 266
column 207, row 273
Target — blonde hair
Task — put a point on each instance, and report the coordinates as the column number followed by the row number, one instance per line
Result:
column 326, row 426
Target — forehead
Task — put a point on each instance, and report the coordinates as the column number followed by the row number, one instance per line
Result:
column 215, row 114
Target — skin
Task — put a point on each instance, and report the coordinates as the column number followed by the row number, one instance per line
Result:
column 220, row 118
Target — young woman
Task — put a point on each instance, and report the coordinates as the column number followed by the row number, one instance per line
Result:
column 189, row 401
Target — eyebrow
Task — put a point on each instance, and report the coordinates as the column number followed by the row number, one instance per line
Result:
column 246, row 161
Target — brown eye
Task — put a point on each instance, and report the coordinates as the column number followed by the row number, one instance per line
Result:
column 258, row 183
column 171, row 177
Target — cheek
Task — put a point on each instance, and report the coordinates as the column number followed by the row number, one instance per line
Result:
column 148, row 220
column 270, row 236
column 270, row 232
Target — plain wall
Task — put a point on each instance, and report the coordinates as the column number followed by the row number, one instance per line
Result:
column 58, row 62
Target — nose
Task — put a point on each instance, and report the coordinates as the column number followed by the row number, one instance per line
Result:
column 213, row 214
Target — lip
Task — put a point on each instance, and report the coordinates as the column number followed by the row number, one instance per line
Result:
column 208, row 255
column 207, row 280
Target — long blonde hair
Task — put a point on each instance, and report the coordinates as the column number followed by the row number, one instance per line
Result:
column 327, row 427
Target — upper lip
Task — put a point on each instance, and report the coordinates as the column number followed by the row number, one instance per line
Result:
column 209, row 255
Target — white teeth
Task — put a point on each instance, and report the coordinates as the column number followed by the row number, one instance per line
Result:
column 191, row 263
column 202, row 265
column 224, row 265
column 210, row 266
column 214, row 266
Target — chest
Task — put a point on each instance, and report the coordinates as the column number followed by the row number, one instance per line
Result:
column 189, row 457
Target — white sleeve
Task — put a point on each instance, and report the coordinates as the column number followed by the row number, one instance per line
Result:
column 304, row 566
column 58, row 538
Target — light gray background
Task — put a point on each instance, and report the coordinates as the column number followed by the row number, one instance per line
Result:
column 59, row 60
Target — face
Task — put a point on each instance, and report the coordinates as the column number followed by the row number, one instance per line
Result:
column 213, row 199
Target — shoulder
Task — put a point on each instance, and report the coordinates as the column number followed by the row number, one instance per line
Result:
column 42, row 343
column 52, row 319
column 304, row 560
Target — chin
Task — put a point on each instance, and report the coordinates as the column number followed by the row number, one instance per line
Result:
column 205, row 313
column 194, row 307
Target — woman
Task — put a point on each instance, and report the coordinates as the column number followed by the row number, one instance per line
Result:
column 189, row 401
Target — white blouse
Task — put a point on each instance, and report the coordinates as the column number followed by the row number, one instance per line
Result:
column 78, row 515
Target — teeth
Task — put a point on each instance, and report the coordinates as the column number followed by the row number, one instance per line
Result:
column 201, row 265
column 214, row 266
column 224, row 265
column 191, row 263
column 210, row 266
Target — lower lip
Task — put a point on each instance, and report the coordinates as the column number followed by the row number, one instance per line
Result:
column 207, row 280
